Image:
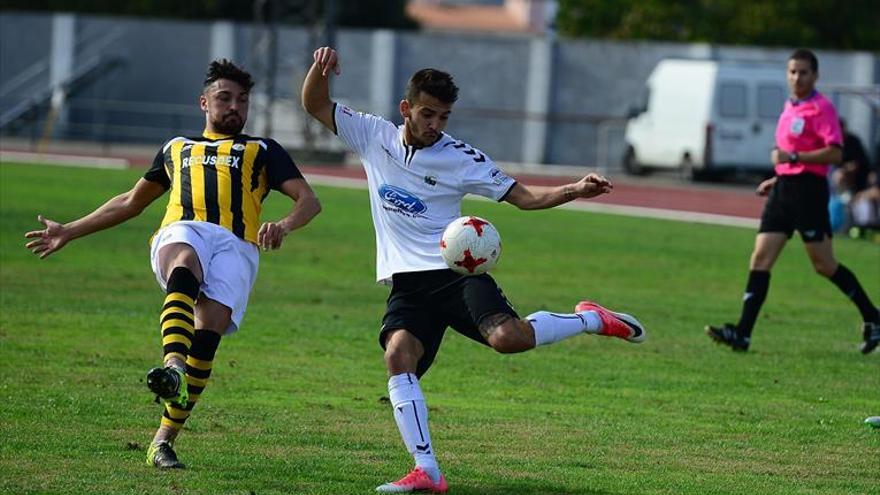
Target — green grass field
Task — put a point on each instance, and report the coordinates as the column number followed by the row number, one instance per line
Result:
column 295, row 404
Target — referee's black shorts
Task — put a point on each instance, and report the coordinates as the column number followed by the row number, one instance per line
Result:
column 425, row 303
column 798, row 202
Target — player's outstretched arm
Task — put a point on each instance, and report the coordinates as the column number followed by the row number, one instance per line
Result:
column 115, row 211
column 316, row 87
column 306, row 207
column 539, row 198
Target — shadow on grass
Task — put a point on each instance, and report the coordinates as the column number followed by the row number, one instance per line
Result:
column 522, row 489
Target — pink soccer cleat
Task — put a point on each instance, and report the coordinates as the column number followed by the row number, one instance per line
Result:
column 620, row 325
column 416, row 481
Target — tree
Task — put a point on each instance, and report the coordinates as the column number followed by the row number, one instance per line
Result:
column 350, row 13
column 850, row 25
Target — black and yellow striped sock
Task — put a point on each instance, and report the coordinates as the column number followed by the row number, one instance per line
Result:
column 178, row 313
column 198, row 370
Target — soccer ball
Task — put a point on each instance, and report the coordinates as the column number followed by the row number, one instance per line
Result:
column 470, row 245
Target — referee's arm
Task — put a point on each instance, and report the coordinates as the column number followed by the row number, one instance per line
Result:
column 829, row 154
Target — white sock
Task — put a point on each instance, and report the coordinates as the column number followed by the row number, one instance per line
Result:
column 553, row 327
column 411, row 415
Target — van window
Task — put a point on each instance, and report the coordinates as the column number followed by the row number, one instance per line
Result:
column 771, row 99
column 733, row 100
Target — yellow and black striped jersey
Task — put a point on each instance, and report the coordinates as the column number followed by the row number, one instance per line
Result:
column 221, row 179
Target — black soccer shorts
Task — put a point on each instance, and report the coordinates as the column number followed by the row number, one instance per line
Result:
column 798, row 202
column 426, row 303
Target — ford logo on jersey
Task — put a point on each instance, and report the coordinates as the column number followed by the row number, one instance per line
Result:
column 401, row 198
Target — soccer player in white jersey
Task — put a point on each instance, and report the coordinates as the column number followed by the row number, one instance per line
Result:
column 417, row 176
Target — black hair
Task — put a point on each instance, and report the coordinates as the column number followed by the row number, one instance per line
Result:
column 225, row 69
column 434, row 82
column 807, row 55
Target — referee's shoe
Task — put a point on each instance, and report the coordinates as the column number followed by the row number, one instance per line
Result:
column 729, row 335
column 871, row 334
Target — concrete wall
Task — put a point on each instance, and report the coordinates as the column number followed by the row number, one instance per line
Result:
column 523, row 98
column 25, row 40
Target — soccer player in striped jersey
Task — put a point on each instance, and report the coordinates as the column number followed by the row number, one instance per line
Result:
column 205, row 253
column 417, row 176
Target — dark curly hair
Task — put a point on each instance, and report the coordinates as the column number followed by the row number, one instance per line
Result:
column 225, row 69
column 435, row 82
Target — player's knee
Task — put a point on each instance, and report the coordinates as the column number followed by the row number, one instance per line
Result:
column 508, row 339
column 402, row 353
column 399, row 361
column 213, row 315
column 824, row 268
column 180, row 255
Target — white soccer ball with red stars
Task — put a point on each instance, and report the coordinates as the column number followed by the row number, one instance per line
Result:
column 470, row 245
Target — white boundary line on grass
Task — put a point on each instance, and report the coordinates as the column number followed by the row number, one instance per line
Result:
column 625, row 210
column 66, row 160
column 353, row 183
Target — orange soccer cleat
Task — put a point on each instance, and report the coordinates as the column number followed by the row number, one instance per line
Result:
column 416, row 481
column 620, row 325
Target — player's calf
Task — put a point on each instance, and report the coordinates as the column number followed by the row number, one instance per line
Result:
column 588, row 318
column 507, row 334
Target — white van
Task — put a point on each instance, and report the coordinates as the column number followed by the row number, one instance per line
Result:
column 700, row 116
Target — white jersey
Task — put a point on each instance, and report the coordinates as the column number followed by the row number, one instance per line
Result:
column 415, row 192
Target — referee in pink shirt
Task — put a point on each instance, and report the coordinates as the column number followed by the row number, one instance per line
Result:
column 808, row 139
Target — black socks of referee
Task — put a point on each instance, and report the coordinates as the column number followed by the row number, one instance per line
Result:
column 759, row 283
column 753, row 299
column 849, row 285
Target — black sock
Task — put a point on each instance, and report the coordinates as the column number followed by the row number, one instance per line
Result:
column 177, row 318
column 849, row 285
column 753, row 299
column 198, row 369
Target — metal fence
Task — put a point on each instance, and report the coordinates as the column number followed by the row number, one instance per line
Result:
column 522, row 99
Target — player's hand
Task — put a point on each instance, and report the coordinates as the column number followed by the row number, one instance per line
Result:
column 593, row 185
column 779, row 156
column 765, row 187
column 271, row 235
column 48, row 240
column 327, row 60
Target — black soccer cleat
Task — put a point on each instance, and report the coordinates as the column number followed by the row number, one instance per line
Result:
column 169, row 384
column 728, row 335
column 162, row 456
column 871, row 335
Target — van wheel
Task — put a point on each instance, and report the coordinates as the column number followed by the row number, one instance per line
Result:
column 630, row 164
column 686, row 169
column 688, row 172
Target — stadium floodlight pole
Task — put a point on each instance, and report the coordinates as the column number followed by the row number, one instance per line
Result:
column 266, row 56
column 330, row 22
column 320, row 21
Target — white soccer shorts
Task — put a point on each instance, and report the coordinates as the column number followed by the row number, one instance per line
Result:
column 229, row 264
